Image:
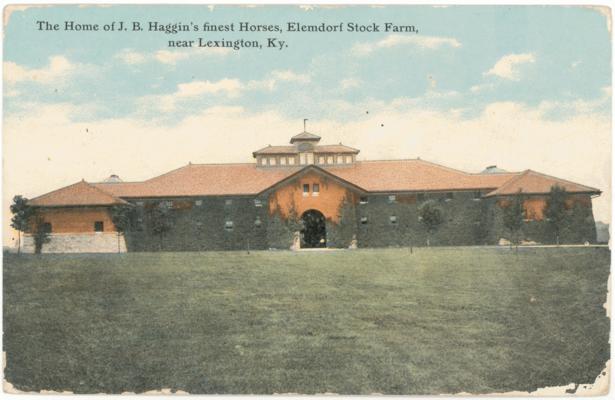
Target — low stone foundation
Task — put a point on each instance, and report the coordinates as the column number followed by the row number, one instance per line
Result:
column 95, row 242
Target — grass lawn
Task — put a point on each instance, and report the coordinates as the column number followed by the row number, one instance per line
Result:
column 440, row 320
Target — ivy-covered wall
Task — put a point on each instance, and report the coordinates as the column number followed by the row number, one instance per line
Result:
column 239, row 223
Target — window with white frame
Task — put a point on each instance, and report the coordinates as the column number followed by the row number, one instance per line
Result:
column 393, row 219
column 392, row 198
column 306, row 189
column 198, row 202
column 315, row 189
column 363, row 220
column 258, row 203
column 228, row 225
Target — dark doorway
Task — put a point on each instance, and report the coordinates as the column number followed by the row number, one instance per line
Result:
column 314, row 232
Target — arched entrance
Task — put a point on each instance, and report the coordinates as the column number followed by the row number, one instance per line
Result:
column 314, row 231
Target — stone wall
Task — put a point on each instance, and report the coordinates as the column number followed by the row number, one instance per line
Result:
column 99, row 242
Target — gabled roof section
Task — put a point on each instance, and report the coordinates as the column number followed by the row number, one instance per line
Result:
column 78, row 194
column 304, row 136
column 213, row 180
column 318, row 170
column 414, row 175
column 532, row 182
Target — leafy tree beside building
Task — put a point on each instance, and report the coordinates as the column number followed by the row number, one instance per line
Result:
column 431, row 217
column 22, row 215
column 513, row 218
column 555, row 211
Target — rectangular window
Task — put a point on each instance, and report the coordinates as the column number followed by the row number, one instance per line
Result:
column 392, row 198
column 348, row 159
column 330, row 160
column 198, row 202
column 340, row 159
column 166, row 203
column 262, row 160
column 283, row 161
column 228, row 225
column 310, row 158
column 321, row 160
column 302, row 159
column 99, row 226
column 477, row 195
column 393, row 219
column 46, row 227
column 291, row 161
column 363, row 200
column 257, row 222
column 306, row 189
column 449, row 196
column 139, row 203
column 258, row 203
column 363, row 220
column 228, row 202
column 315, row 189
column 272, row 161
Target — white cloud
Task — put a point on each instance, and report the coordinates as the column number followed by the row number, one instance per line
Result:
column 226, row 87
column 350, row 83
column 482, row 87
column 507, row 67
column 56, row 70
column 290, row 76
column 229, row 87
column 394, row 40
column 129, row 56
column 169, row 57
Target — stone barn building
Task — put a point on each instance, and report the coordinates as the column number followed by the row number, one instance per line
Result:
column 305, row 194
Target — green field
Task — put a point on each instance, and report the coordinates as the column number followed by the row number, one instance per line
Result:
column 441, row 320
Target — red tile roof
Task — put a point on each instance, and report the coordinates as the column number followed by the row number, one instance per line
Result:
column 78, row 194
column 532, row 182
column 414, row 175
column 248, row 179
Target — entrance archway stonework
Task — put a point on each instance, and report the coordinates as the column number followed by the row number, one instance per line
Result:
column 314, row 229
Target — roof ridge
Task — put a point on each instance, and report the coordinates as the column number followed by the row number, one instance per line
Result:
column 57, row 190
column 104, row 192
column 561, row 179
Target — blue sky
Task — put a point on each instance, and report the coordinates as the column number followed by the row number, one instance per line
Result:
column 517, row 86
column 568, row 48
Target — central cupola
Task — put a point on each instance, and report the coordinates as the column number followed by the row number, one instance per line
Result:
column 305, row 150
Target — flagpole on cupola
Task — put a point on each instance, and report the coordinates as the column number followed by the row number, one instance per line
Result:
column 304, row 122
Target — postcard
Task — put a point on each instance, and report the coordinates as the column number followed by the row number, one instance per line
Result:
column 275, row 199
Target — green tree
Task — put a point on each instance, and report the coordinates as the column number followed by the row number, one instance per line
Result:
column 431, row 217
column 40, row 235
column 513, row 218
column 22, row 215
column 122, row 218
column 555, row 210
column 160, row 218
